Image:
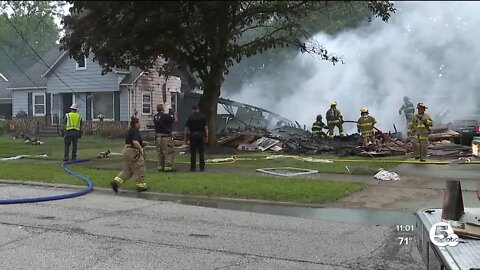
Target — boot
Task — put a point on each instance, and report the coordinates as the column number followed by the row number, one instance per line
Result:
column 116, row 183
column 142, row 187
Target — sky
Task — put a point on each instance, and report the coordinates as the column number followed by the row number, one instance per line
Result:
column 66, row 12
column 427, row 51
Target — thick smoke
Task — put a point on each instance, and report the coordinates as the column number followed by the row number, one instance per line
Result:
column 428, row 51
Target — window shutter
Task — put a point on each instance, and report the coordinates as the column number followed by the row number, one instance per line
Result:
column 116, row 106
column 88, row 106
column 48, row 104
column 164, row 93
column 30, row 104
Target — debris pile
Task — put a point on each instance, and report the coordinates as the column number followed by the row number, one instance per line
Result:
column 384, row 175
column 248, row 128
column 448, row 149
column 27, row 139
column 442, row 133
column 104, row 154
column 298, row 141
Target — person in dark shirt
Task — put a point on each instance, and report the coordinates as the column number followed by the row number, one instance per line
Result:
column 196, row 134
column 133, row 158
column 163, row 137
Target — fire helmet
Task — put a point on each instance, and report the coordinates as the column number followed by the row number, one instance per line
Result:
column 422, row 105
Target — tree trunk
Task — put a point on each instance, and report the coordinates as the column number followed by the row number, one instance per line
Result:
column 209, row 103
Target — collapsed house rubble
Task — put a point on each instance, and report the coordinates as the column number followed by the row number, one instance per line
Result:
column 248, row 128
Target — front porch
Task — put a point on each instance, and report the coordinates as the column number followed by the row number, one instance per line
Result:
column 44, row 126
column 91, row 105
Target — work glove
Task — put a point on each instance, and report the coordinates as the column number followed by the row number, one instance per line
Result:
column 80, row 135
column 399, row 112
column 63, row 133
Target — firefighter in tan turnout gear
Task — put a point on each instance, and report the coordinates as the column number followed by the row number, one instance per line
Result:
column 318, row 127
column 334, row 119
column 365, row 126
column 163, row 136
column 133, row 158
column 408, row 109
column 419, row 130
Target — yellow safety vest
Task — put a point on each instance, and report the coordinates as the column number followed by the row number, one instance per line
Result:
column 73, row 121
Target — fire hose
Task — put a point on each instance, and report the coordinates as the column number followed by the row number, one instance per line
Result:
column 60, row 196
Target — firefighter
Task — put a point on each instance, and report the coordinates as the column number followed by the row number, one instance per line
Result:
column 419, row 130
column 72, row 131
column 365, row 126
column 318, row 127
column 133, row 158
column 408, row 109
column 164, row 140
column 334, row 119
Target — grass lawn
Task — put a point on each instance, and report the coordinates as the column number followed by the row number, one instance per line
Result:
column 91, row 146
column 214, row 185
column 88, row 147
column 358, row 165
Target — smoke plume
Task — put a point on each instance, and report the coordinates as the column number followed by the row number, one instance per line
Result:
column 427, row 51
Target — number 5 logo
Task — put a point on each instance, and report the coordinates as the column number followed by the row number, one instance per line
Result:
column 442, row 234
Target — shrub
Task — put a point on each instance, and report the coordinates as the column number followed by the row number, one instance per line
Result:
column 3, row 126
column 148, row 135
column 21, row 114
column 111, row 132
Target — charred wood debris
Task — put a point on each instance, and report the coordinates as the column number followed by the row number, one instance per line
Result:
column 244, row 127
column 292, row 139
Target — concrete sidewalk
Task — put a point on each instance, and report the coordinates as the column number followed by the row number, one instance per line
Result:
column 102, row 231
column 420, row 186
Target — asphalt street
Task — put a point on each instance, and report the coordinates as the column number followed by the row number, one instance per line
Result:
column 108, row 231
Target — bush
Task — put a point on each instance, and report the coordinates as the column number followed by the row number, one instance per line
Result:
column 148, row 135
column 112, row 132
column 21, row 114
column 3, row 126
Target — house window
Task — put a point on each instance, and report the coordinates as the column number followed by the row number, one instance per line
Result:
column 39, row 104
column 102, row 104
column 164, row 93
column 147, row 103
column 82, row 64
column 173, row 101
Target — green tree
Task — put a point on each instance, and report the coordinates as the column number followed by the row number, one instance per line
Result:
column 208, row 37
column 35, row 20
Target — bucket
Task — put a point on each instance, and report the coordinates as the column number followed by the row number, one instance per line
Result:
column 476, row 146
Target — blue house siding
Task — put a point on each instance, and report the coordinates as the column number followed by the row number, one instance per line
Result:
column 124, row 114
column 20, row 101
column 88, row 80
column 81, row 100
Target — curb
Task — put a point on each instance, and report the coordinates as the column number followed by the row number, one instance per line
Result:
column 172, row 197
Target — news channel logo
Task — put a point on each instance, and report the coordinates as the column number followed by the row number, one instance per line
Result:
column 442, row 235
